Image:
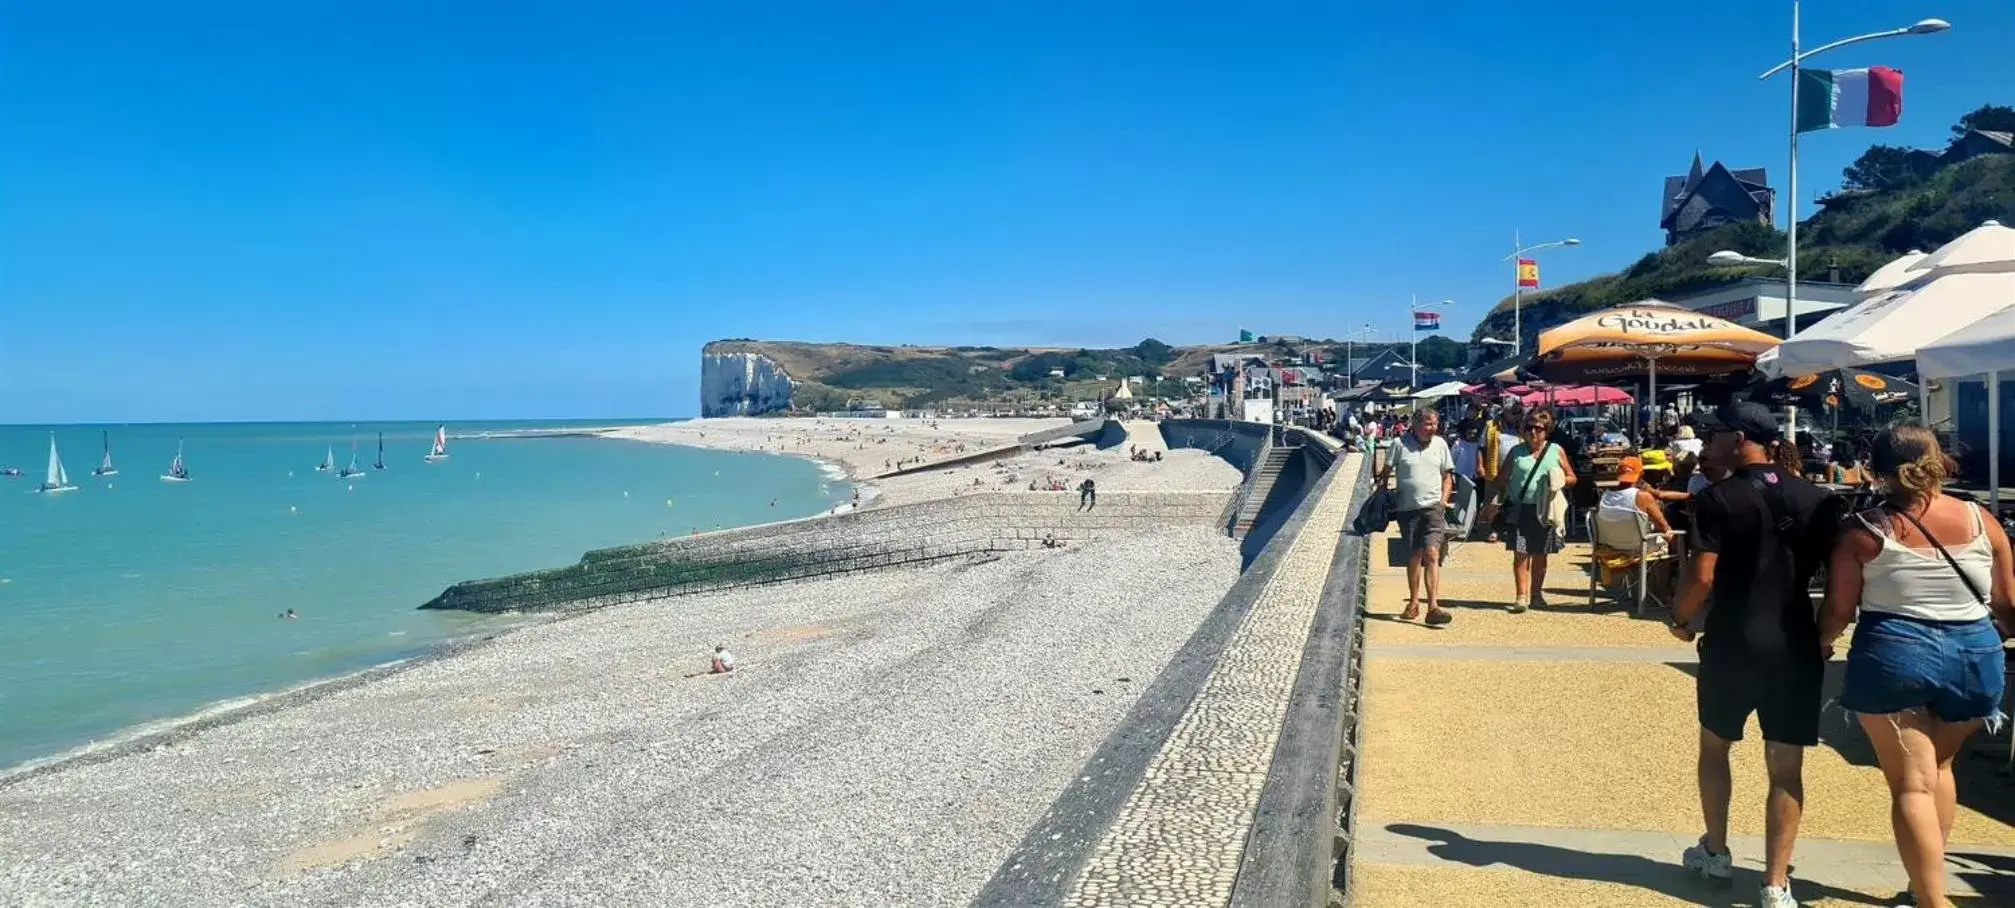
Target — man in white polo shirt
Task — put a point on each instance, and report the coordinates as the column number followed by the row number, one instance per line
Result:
column 1425, row 468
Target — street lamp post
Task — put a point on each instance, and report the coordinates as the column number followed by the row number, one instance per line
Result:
column 1518, row 286
column 1413, row 367
column 1349, row 365
column 1924, row 27
column 1800, row 57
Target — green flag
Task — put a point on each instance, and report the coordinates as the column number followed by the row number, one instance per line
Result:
column 1244, row 336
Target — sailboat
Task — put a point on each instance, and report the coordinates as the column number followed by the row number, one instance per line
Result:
column 56, row 480
column 351, row 471
column 106, row 468
column 177, row 471
column 440, row 451
column 379, row 464
column 328, row 461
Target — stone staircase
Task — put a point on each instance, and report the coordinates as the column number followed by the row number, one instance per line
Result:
column 1260, row 485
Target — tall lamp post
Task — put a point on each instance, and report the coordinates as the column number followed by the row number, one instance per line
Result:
column 1518, row 285
column 1413, row 374
column 1349, row 363
column 1924, row 27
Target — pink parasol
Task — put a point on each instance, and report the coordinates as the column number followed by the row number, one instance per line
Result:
column 1576, row 396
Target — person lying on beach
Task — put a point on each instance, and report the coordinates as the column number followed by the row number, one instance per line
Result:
column 724, row 661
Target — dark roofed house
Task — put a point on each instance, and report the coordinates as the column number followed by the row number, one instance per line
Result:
column 1977, row 142
column 1707, row 197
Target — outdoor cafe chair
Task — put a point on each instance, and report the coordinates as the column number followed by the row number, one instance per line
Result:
column 1622, row 545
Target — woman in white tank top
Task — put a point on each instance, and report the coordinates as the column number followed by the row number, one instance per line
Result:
column 1922, row 577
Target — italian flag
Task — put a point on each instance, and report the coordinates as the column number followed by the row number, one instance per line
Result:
column 1830, row 98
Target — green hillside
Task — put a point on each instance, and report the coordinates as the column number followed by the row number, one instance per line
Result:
column 1884, row 212
column 839, row 376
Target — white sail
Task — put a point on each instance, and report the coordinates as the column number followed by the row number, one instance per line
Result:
column 351, row 470
column 440, row 449
column 177, row 471
column 56, row 479
column 105, row 467
column 328, row 460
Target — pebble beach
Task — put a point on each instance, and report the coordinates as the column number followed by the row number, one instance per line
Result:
column 888, row 738
column 865, row 449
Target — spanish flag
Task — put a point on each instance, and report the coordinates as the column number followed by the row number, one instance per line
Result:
column 1528, row 274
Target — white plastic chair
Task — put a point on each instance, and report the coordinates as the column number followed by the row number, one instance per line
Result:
column 1617, row 531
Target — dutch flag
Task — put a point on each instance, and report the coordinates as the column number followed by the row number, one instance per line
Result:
column 1426, row 321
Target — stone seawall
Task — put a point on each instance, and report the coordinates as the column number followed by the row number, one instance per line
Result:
column 961, row 527
column 1236, row 442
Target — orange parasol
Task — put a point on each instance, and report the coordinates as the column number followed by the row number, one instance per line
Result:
column 1646, row 338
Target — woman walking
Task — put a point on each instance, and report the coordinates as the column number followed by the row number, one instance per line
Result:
column 1534, row 472
column 1926, row 573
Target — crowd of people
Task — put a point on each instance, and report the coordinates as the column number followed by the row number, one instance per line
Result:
column 1756, row 521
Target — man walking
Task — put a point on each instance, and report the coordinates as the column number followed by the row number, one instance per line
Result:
column 1426, row 471
column 1761, row 536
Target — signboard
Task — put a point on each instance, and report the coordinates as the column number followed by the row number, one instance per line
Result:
column 1734, row 310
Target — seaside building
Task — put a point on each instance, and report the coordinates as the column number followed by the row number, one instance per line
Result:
column 1704, row 198
column 1758, row 302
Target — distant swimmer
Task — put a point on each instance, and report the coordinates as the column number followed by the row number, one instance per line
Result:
column 724, row 661
column 290, row 615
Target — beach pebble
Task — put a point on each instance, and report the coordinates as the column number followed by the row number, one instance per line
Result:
column 875, row 750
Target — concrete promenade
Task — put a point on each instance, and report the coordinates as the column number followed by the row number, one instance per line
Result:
column 1548, row 759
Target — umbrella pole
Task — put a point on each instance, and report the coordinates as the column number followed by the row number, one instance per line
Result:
column 1652, row 393
column 1994, row 444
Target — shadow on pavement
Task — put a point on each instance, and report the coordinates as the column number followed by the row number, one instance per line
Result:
column 1985, row 785
column 1666, row 878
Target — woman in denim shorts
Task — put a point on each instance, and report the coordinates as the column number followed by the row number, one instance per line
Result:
column 1925, row 577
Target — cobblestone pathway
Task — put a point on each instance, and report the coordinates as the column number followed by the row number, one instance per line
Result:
column 1179, row 838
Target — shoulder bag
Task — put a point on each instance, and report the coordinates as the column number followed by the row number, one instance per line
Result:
column 1507, row 517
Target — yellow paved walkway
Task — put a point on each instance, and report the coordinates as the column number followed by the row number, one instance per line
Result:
column 1547, row 759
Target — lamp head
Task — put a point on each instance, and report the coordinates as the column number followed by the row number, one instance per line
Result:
column 1929, row 27
column 1728, row 257
column 1570, row 241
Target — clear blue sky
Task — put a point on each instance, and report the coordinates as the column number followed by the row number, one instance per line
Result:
column 459, row 209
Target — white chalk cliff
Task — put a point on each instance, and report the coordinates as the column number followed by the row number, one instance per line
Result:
column 742, row 384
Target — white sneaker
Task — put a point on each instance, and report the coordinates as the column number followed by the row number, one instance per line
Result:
column 1774, row 897
column 1708, row 864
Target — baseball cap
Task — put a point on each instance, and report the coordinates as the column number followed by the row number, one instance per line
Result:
column 1753, row 420
column 1629, row 470
column 1656, row 460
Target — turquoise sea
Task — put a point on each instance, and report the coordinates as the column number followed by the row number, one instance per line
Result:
column 133, row 601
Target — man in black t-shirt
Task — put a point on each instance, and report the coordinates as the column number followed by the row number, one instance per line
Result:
column 1761, row 536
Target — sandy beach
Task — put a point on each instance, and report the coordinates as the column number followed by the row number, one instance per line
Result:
column 866, row 448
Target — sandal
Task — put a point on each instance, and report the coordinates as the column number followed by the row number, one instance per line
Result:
column 1437, row 617
column 1412, row 613
column 1518, row 608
